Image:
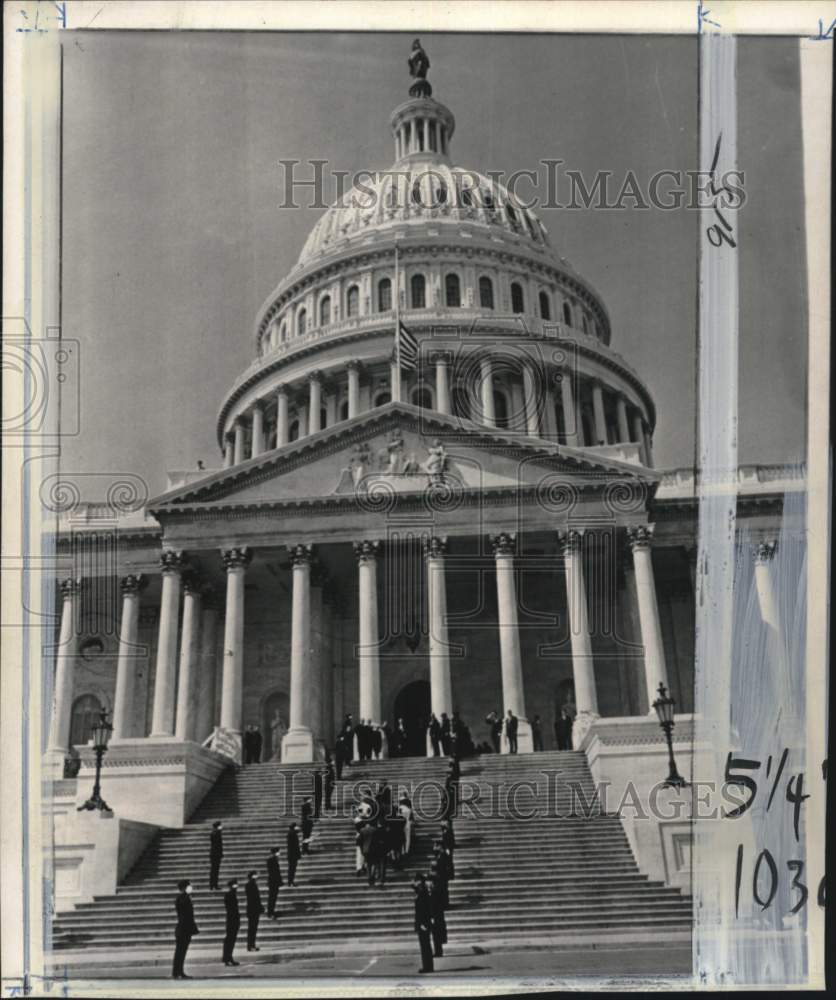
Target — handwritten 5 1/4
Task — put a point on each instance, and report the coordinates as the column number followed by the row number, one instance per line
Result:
column 720, row 232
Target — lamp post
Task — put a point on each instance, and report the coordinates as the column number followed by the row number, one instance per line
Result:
column 664, row 709
column 101, row 734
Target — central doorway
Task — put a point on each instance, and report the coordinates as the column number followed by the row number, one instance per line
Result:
column 413, row 706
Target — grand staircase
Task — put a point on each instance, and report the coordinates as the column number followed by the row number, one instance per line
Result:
column 535, row 857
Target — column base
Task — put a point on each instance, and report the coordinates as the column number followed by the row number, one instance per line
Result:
column 300, row 746
column 525, row 740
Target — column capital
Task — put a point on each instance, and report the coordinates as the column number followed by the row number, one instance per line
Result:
column 441, row 358
column 281, row 391
column 315, row 376
column 640, row 536
column 765, row 551
column 133, row 583
column 435, row 547
column 367, row 550
column 172, row 561
column 193, row 584
column 258, row 405
column 300, row 555
column 236, row 558
column 71, row 587
column 354, row 365
column 570, row 541
column 503, row 544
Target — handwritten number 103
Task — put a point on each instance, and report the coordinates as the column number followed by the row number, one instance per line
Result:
column 766, row 867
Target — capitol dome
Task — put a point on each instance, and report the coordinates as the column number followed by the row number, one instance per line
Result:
column 446, row 249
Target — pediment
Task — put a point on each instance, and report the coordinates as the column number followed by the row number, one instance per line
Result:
column 398, row 449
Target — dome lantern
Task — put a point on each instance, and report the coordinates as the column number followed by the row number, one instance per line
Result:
column 422, row 128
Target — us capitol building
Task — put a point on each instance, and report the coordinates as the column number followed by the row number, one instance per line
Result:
column 483, row 531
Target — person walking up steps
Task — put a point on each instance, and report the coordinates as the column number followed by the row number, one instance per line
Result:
column 274, row 880
column 293, row 854
column 254, row 910
column 216, row 853
column 233, row 921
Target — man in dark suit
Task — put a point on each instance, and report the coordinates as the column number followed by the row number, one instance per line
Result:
column 495, row 722
column 448, row 838
column 256, row 745
column 274, row 880
column 438, row 927
column 186, row 927
column 511, row 726
column 254, row 910
column 376, row 742
column 328, row 782
column 445, row 734
column 537, row 733
column 317, row 793
column 293, row 853
column 247, row 745
column 233, row 921
column 216, row 853
column 435, row 735
column 378, row 849
column 423, row 922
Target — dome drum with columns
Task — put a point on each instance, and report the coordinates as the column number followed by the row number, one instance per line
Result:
column 484, row 531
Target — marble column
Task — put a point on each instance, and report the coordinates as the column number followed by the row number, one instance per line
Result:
column 353, row 389
column 62, row 699
column 488, row 408
column 238, row 452
column 281, row 417
column 567, row 401
column 441, row 688
column 258, row 431
column 235, row 561
column 442, row 383
column 583, row 664
column 298, row 741
column 638, row 436
column 598, row 413
column 513, row 696
column 655, row 670
column 648, row 448
column 532, row 415
column 229, row 452
column 126, row 663
column 314, row 402
column 187, row 679
column 764, row 554
column 208, row 666
column 165, row 680
column 302, row 416
column 621, row 416
column 368, row 655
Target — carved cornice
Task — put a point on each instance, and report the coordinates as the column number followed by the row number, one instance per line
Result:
column 367, row 550
column 236, row 558
column 133, row 583
column 503, row 544
column 434, row 546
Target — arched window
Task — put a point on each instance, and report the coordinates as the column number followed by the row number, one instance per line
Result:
column 485, row 292
column 416, row 191
column 325, row 311
column 384, row 295
column 517, row 301
column 418, row 291
column 293, row 431
column 86, row 710
column 452, row 290
column 301, row 322
column 352, row 301
column 585, row 323
column 465, row 197
column 441, row 193
column 487, row 198
column 500, row 408
column 545, row 307
column 567, row 314
column 282, row 333
column 382, row 398
column 423, row 397
column 344, row 410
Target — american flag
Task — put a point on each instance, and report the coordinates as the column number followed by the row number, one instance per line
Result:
column 406, row 348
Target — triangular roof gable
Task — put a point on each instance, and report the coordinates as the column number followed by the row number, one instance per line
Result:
column 393, row 443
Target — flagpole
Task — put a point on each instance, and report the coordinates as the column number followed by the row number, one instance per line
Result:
column 396, row 381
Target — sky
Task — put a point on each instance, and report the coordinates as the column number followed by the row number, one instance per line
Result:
column 174, row 235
